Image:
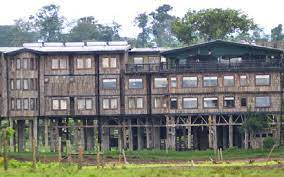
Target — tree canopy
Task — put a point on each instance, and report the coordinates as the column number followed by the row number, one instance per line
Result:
column 276, row 33
column 211, row 24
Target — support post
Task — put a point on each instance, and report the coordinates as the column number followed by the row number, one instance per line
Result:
column 148, row 134
column 246, row 138
column 171, row 132
column 46, row 133
column 82, row 134
column 130, row 135
column 105, row 137
column 231, row 132
column 156, row 134
column 35, row 125
column 278, row 129
column 210, row 132
column 140, row 133
column 215, row 136
column 12, row 137
column 189, row 136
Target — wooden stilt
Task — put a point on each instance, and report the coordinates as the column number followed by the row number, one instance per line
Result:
column 231, row 132
column 140, row 139
column 189, row 136
column 46, row 133
column 130, row 135
column 215, row 136
column 148, row 135
column 171, row 133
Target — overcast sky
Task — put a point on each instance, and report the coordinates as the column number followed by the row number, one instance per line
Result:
column 266, row 13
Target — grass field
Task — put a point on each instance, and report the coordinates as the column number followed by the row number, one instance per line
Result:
column 270, row 169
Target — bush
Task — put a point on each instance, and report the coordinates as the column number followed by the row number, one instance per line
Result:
column 268, row 142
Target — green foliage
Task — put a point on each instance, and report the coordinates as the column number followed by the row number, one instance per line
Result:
column 268, row 142
column 211, row 24
column 143, row 37
column 276, row 33
column 87, row 28
column 9, row 132
column 255, row 123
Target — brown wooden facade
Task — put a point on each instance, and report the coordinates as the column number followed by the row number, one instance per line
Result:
column 117, row 90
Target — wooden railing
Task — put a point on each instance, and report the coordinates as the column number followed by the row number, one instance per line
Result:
column 204, row 66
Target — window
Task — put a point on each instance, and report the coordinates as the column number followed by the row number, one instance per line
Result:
column 33, row 64
column 229, row 102
column 25, row 63
column 244, row 102
column 12, row 84
column 55, row 64
column 262, row 80
column 109, row 83
column 18, row 84
column 59, row 104
column 209, row 81
column 88, row 63
column 12, row 104
column 55, row 104
column 189, row 82
column 58, row 63
column 243, row 80
column 26, row 103
column 210, row 102
column 160, row 82
column 84, row 63
column 33, row 104
column 89, row 104
column 138, row 60
column 18, row 64
column 25, row 84
column 135, row 83
column 189, row 103
column 86, row 104
column 135, row 103
column 109, row 62
column 80, row 63
column 109, row 103
column 19, row 104
column 160, row 102
column 263, row 101
column 173, row 103
column 229, row 81
column 173, row 82
column 33, row 84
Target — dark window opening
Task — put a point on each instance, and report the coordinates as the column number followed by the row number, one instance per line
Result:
column 173, row 103
column 243, row 102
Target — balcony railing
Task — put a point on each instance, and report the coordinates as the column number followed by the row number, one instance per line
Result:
column 203, row 67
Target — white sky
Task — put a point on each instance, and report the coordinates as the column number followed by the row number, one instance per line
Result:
column 266, row 13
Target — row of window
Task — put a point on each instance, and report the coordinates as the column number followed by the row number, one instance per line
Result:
column 24, row 84
column 24, row 63
column 24, row 104
column 210, row 81
column 83, row 63
column 228, row 102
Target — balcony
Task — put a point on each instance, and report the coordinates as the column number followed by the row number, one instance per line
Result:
column 204, row 67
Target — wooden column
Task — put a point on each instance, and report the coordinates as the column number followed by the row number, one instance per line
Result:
column 156, row 134
column 148, row 134
column 246, row 138
column 224, row 133
column 12, row 137
column 105, row 137
column 278, row 129
column 231, row 132
column 189, row 136
column 35, row 135
column 215, row 135
column 140, row 136
column 21, row 135
column 31, row 134
column 171, row 133
column 90, row 135
column 130, row 135
column 46, row 133
column 210, row 132
column 82, row 134
column 124, row 133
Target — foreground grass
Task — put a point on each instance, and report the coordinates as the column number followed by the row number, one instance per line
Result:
column 158, row 170
column 176, row 155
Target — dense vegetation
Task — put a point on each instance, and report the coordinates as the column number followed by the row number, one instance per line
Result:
column 157, row 28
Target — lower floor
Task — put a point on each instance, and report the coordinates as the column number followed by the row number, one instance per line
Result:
column 185, row 132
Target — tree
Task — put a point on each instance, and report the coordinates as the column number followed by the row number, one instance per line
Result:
column 143, row 37
column 211, row 24
column 87, row 28
column 49, row 23
column 161, row 26
column 276, row 33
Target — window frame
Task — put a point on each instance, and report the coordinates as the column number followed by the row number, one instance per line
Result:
column 155, row 85
column 176, row 107
column 142, row 85
column 269, row 98
column 224, row 81
column 210, row 85
column 173, row 80
column 269, row 76
column 246, row 81
column 109, row 103
column 210, row 107
column 110, row 87
column 241, row 102
column 183, row 86
column 224, row 99
column 183, row 101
